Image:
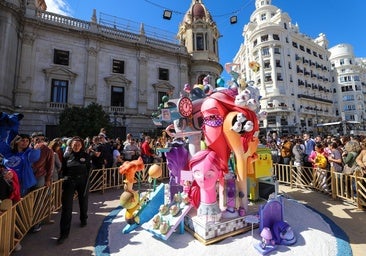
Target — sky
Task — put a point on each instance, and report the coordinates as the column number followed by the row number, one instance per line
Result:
column 341, row 21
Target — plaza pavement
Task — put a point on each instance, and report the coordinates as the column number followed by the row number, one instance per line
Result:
column 81, row 241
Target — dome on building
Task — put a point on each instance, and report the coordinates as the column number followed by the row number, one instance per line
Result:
column 198, row 11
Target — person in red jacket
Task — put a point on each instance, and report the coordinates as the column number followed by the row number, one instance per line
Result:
column 43, row 168
column 147, row 153
column 9, row 183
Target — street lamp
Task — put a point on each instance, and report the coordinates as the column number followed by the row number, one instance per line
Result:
column 167, row 14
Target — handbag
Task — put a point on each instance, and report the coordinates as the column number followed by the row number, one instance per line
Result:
column 350, row 170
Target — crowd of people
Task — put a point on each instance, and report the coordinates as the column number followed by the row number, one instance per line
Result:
column 344, row 154
column 31, row 162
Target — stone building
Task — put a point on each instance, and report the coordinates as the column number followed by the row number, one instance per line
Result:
column 350, row 83
column 50, row 61
column 296, row 77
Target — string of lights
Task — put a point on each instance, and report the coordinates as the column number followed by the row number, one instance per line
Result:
column 227, row 14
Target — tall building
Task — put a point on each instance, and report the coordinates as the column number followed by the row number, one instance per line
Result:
column 295, row 76
column 49, row 62
column 199, row 34
column 349, row 83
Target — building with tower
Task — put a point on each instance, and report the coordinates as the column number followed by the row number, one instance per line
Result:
column 52, row 62
column 199, row 34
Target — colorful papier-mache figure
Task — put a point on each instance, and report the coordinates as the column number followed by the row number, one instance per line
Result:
column 206, row 170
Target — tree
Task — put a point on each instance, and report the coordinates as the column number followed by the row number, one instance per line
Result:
column 83, row 121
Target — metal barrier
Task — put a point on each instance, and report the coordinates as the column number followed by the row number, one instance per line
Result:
column 338, row 185
column 16, row 220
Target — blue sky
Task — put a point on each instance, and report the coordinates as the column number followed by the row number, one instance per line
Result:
column 341, row 21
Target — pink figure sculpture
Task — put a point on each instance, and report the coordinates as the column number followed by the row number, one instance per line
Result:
column 206, row 169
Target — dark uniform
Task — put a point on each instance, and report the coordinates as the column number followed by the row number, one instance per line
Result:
column 76, row 167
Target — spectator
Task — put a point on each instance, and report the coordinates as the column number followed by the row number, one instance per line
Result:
column 117, row 157
column 147, row 152
column 55, row 146
column 298, row 152
column 42, row 168
column 20, row 159
column 128, row 139
column 76, row 167
column 9, row 183
column 335, row 157
column 131, row 151
column 107, row 151
column 286, row 150
column 318, row 158
column 95, row 152
column 309, row 148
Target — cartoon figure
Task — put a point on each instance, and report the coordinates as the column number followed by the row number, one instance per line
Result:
column 207, row 169
column 177, row 159
column 129, row 168
column 131, row 202
column 242, row 98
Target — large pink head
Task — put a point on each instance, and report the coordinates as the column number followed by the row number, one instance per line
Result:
column 206, row 168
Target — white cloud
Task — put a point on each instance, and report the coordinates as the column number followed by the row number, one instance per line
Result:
column 59, row 7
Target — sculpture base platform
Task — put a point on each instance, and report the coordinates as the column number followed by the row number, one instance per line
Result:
column 209, row 233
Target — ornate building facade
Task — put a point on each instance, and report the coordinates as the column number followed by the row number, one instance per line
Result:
column 296, row 78
column 50, row 62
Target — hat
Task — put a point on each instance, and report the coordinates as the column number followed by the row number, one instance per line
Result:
column 37, row 134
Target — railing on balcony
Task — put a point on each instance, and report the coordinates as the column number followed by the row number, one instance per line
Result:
column 153, row 35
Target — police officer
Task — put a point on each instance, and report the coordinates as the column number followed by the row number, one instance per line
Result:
column 75, row 171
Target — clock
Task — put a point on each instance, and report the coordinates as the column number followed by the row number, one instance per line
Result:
column 185, row 106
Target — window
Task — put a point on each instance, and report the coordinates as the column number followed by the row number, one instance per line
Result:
column 117, row 96
column 264, row 38
column 118, row 66
column 271, row 120
column 285, row 25
column 265, row 51
column 341, row 62
column 199, row 42
column 263, row 16
column 267, row 77
column 302, row 48
column 61, row 57
column 278, row 63
column 276, row 37
column 279, row 77
column 163, row 74
column 255, row 43
column 277, row 50
column 267, row 64
column 294, row 44
column 59, row 90
column 160, row 97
